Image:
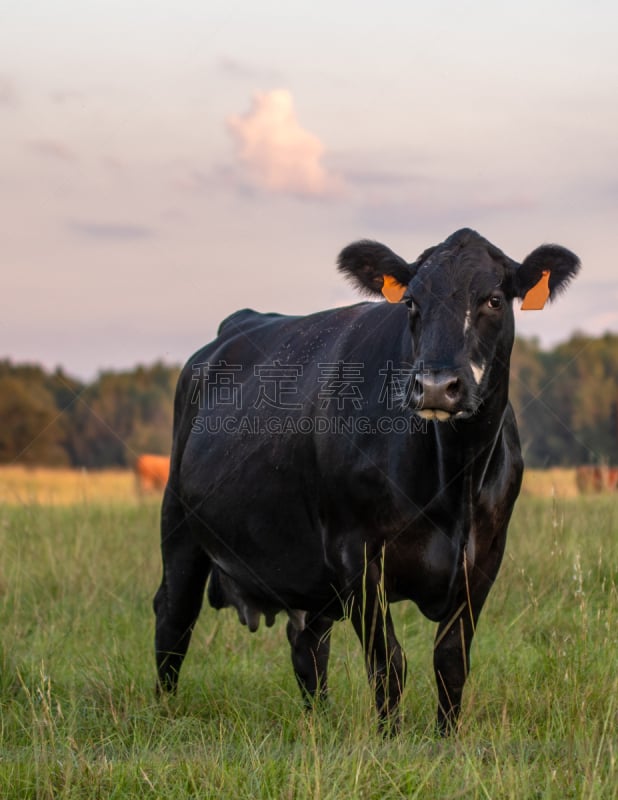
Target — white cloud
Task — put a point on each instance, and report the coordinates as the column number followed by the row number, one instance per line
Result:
column 276, row 153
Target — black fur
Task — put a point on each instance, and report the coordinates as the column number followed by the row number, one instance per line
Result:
column 343, row 523
column 365, row 263
column 562, row 263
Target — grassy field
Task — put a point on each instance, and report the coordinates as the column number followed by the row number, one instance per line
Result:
column 78, row 717
column 24, row 486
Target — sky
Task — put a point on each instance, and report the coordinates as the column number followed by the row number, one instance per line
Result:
column 163, row 164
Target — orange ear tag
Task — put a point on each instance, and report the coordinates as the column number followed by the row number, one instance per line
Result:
column 392, row 289
column 536, row 297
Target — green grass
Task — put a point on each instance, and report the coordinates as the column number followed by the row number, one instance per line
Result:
column 78, row 717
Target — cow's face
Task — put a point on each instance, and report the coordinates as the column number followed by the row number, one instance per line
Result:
column 460, row 299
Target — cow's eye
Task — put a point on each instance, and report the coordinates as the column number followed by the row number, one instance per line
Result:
column 495, row 301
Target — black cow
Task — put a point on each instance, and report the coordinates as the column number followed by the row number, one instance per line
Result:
column 331, row 464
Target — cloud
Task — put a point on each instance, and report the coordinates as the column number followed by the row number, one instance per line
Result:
column 438, row 204
column 242, row 70
column 52, row 149
column 106, row 231
column 276, row 153
column 381, row 178
column 65, row 96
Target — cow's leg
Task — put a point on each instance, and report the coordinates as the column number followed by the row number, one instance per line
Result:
column 310, row 651
column 451, row 657
column 384, row 658
column 178, row 601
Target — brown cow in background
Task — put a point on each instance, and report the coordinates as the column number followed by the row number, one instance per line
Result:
column 595, row 479
column 151, row 472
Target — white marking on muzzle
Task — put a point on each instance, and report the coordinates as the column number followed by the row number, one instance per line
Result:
column 478, row 371
column 467, row 322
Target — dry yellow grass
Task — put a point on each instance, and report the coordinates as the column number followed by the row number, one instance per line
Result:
column 555, row 482
column 44, row 486
column 24, row 486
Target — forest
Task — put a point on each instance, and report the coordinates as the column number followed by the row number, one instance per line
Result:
column 565, row 398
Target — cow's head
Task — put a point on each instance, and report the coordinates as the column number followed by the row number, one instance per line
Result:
column 460, row 299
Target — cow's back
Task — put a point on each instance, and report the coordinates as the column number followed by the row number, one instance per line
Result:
column 258, row 470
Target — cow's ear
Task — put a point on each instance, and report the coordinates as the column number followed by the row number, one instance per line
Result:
column 545, row 273
column 375, row 269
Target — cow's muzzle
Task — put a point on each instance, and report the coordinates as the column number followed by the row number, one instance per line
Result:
column 438, row 394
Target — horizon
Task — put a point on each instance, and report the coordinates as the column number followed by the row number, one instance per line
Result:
column 52, row 368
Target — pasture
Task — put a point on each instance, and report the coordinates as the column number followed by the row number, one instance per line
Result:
column 78, row 716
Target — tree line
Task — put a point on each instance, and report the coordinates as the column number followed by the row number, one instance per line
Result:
column 51, row 419
column 566, row 401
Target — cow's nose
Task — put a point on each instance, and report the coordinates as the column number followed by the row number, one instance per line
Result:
column 437, row 390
